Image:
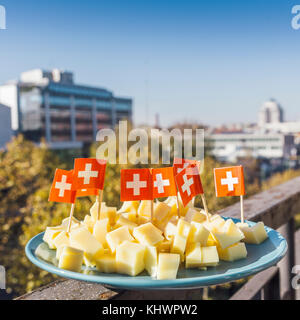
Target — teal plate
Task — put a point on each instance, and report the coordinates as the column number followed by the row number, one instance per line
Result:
column 260, row 257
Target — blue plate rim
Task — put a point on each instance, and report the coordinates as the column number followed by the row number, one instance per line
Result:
column 128, row 282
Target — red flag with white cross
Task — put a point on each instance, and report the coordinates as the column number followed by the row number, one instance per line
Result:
column 180, row 164
column 61, row 189
column 189, row 183
column 163, row 182
column 229, row 181
column 136, row 184
column 86, row 192
column 89, row 174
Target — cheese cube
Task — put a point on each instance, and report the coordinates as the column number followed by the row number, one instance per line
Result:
column 168, row 264
column 215, row 224
column 62, row 239
column 198, row 233
column 161, row 211
column 116, row 237
column 179, row 245
column 183, row 228
column 142, row 220
column 129, row 206
column 132, row 216
column 101, row 228
column 194, row 214
column 89, row 222
column 165, row 245
column 50, row 234
column 228, row 234
column 82, row 239
column 170, row 230
column 75, row 223
column 172, row 202
column 255, row 234
column 145, row 208
column 59, row 251
column 71, row 259
column 199, row 216
column 122, row 221
column 193, row 258
column 148, row 234
column 235, row 252
column 43, row 252
column 151, row 260
column 211, row 241
column 210, row 257
column 106, row 212
column 130, row 258
column 107, row 263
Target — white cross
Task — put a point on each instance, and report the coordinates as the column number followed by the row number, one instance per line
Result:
column 230, row 181
column 187, row 184
column 62, row 186
column 87, row 174
column 136, row 184
column 185, row 165
column 160, row 183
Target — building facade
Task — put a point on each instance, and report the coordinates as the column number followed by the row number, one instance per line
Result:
column 49, row 105
column 5, row 126
column 271, row 112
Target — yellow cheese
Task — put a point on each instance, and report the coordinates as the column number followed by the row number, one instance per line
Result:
column 183, row 228
column 71, row 259
column 172, row 202
column 235, row 252
column 228, row 234
column 198, row 233
column 82, row 239
column 170, row 230
column 193, row 214
column 50, row 234
column 59, row 252
column 122, row 221
column 179, row 245
column 106, row 212
column 165, row 245
column 89, row 222
column 151, row 260
column 210, row 257
column 62, row 239
column 143, row 220
column 130, row 258
column 129, row 206
column 211, row 241
column 199, row 216
column 193, row 258
column 148, row 234
column 255, row 234
column 107, row 263
column 168, row 264
column 101, row 228
column 75, row 223
column 145, row 208
column 116, row 237
column 161, row 215
column 132, row 216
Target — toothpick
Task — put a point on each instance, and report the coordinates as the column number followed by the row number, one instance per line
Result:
column 100, row 198
column 71, row 217
column 178, row 211
column 242, row 209
column 152, row 210
column 205, row 206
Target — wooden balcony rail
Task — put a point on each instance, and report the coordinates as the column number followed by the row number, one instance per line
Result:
column 275, row 207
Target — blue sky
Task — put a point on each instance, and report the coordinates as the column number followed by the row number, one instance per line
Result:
column 210, row 61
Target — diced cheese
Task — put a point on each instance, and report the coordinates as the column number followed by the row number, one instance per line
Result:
column 165, row 245
column 148, row 234
column 75, row 223
column 161, row 212
column 235, row 252
column 107, row 263
column 183, row 228
column 130, row 258
column 210, row 257
column 255, row 234
column 129, row 206
column 194, row 214
column 89, row 222
column 132, row 216
column 116, row 237
column 151, row 260
column 71, row 259
column 168, row 264
column 43, row 252
column 101, row 228
column 170, row 230
column 82, row 239
column 62, row 239
column 50, row 234
column 122, row 221
column 198, row 233
column 193, row 258
column 211, row 241
column 106, row 212
column 179, row 245
column 143, row 220
column 145, row 208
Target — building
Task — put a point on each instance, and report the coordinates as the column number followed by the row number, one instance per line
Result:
column 5, row 125
column 49, row 105
column 270, row 113
column 230, row 147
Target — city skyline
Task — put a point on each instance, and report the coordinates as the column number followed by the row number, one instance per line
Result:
column 220, row 62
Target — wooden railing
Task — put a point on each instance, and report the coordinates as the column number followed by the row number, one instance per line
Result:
column 275, row 207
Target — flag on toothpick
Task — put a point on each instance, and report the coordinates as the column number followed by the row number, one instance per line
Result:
column 61, row 189
column 136, row 184
column 86, row 192
column 229, row 181
column 163, row 182
column 189, row 183
column 89, row 174
column 180, row 164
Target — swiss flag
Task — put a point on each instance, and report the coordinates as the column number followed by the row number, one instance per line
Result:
column 89, row 173
column 163, row 182
column 229, row 181
column 180, row 164
column 136, row 184
column 86, row 192
column 189, row 183
column 61, row 189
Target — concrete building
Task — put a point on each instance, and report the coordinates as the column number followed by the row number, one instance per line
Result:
column 48, row 104
column 5, row 125
column 270, row 113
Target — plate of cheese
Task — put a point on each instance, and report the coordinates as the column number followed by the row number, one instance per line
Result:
column 132, row 249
